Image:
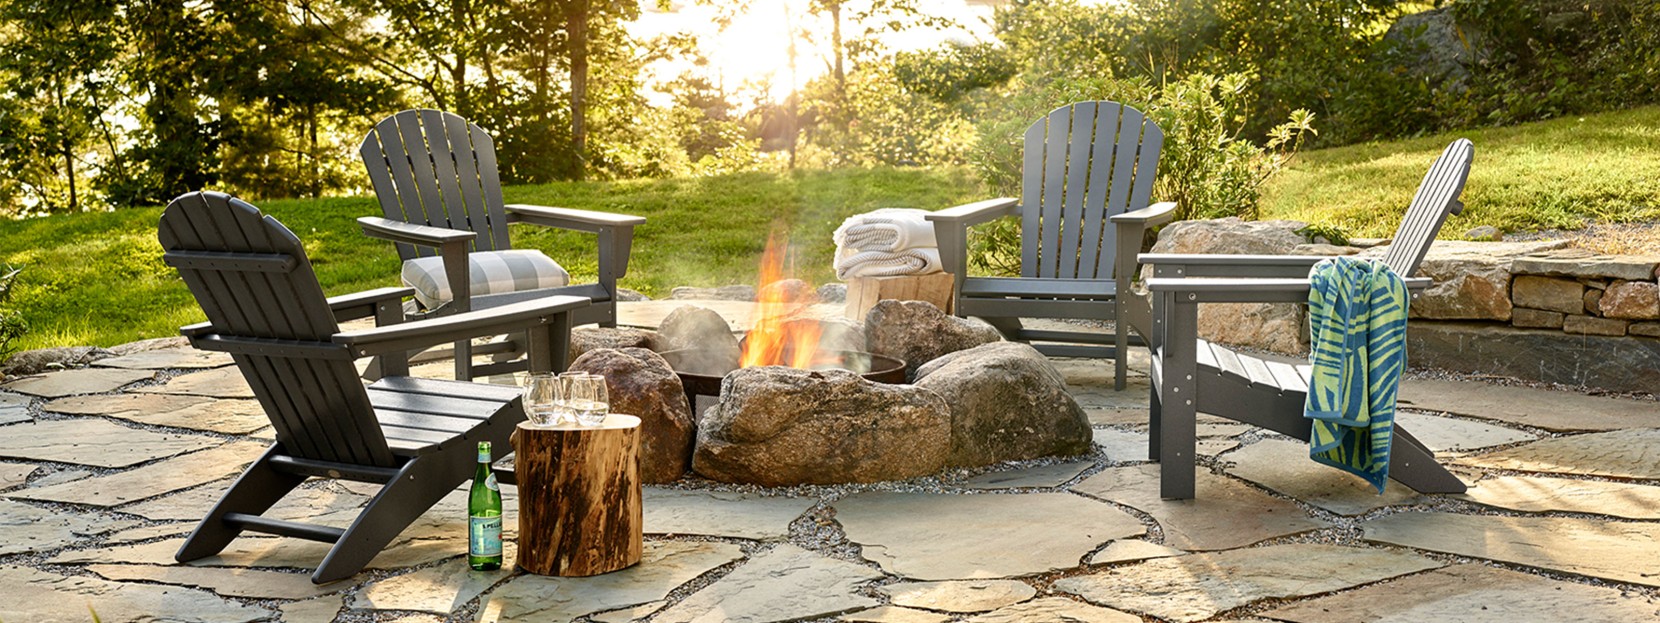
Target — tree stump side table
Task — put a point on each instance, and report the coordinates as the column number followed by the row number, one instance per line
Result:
column 579, row 497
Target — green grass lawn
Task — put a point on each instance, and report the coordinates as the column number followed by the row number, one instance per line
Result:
column 98, row 279
column 1548, row 175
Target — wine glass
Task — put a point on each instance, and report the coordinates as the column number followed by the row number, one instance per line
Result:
column 590, row 401
column 543, row 398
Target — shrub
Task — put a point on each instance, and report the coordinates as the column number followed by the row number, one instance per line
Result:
column 12, row 324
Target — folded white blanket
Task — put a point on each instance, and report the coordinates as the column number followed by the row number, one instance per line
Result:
column 851, row 263
column 887, row 229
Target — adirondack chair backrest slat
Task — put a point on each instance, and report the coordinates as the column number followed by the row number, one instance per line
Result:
column 1083, row 162
column 1436, row 199
column 434, row 168
column 318, row 407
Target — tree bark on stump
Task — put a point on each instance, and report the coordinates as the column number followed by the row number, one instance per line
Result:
column 579, row 497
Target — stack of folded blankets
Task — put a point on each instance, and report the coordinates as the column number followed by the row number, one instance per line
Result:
column 885, row 243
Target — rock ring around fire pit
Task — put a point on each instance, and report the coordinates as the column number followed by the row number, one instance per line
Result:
column 701, row 372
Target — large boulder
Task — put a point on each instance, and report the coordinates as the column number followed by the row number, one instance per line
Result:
column 917, row 332
column 584, row 339
column 641, row 384
column 1007, row 403
column 1444, row 49
column 780, row 426
column 1277, row 327
column 723, row 293
column 699, row 329
column 53, row 358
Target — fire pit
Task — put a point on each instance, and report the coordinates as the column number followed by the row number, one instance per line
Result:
column 699, row 380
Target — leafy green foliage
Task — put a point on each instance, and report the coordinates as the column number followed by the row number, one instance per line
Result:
column 98, row 278
column 12, row 323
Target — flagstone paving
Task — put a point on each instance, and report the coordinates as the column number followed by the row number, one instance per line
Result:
column 33, row 595
column 1445, row 434
column 1540, row 408
column 1283, row 466
column 1132, row 550
column 784, row 583
column 1055, row 609
column 231, row 417
column 1224, row 514
column 1473, row 594
column 959, row 596
column 151, row 480
column 94, row 442
column 121, row 477
column 1539, row 495
column 1198, row 586
column 1043, row 476
column 943, row 537
column 14, row 408
column 216, row 383
column 715, row 513
column 82, row 381
column 1619, row 454
column 167, row 358
column 12, row 474
column 1602, row 549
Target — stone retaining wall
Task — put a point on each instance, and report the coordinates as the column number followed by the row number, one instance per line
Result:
column 1535, row 310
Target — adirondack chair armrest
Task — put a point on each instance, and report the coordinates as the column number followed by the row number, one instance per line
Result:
column 569, row 218
column 615, row 231
column 410, row 233
column 400, row 338
column 381, row 303
column 1208, row 290
column 1150, row 216
column 1175, row 265
column 972, row 213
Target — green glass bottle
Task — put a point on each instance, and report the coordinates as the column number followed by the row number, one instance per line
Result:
column 484, row 510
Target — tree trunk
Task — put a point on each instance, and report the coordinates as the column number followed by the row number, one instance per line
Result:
column 792, row 103
column 836, row 53
column 68, row 155
column 576, row 38
column 458, row 71
column 579, row 497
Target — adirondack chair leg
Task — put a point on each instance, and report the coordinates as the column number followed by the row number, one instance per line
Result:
column 1178, row 413
column 1413, row 465
column 420, row 484
column 1154, row 426
column 255, row 491
column 1009, row 327
column 464, row 360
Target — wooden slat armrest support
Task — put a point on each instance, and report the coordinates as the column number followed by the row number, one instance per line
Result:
column 1150, row 216
column 264, row 347
column 1211, row 265
column 410, row 233
column 1038, row 287
column 193, row 330
column 433, row 331
column 977, row 212
column 369, row 303
column 1202, row 290
column 568, row 218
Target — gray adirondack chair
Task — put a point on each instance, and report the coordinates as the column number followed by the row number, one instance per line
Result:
column 1085, row 165
column 416, row 437
column 1192, row 375
column 435, row 176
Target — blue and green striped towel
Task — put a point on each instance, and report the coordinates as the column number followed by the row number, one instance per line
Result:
column 1357, row 325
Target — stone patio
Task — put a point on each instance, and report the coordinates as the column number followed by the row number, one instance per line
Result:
column 104, row 469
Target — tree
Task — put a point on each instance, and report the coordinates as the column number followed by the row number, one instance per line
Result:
column 55, row 80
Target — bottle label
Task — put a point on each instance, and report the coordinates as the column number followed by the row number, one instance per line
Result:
column 491, row 484
column 484, row 536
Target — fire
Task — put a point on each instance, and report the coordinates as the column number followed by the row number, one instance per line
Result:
column 780, row 337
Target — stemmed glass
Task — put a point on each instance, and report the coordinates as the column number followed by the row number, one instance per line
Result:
column 544, row 400
column 586, row 397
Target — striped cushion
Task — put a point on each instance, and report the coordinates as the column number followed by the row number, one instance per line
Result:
column 492, row 272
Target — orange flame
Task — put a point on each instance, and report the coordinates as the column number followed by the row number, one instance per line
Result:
column 778, row 338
